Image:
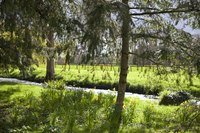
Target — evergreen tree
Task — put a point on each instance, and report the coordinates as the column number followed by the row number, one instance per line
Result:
column 139, row 20
column 25, row 23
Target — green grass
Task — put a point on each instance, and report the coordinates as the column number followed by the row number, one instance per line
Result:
column 9, row 92
column 13, row 90
column 138, row 77
column 26, row 108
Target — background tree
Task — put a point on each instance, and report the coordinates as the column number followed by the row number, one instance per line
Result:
column 18, row 41
column 54, row 21
column 25, row 24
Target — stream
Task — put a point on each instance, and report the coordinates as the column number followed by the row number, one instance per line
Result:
column 96, row 91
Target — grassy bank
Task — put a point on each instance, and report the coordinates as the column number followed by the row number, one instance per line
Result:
column 25, row 108
column 143, row 80
column 9, row 92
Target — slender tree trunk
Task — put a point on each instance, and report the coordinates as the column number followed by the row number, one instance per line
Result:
column 50, row 72
column 116, row 118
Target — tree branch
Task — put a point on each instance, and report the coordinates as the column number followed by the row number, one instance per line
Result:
column 145, row 35
column 164, row 38
column 144, row 8
column 156, row 63
column 165, row 11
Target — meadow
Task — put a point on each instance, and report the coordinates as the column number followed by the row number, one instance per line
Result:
column 25, row 108
column 142, row 80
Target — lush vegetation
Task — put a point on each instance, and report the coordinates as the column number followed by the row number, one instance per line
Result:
column 140, row 33
column 145, row 80
column 26, row 108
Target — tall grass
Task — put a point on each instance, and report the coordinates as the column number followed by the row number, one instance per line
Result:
column 58, row 110
column 147, row 79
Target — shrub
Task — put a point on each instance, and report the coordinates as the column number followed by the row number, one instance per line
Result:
column 62, row 111
column 128, row 113
column 149, row 113
column 187, row 117
column 154, row 118
column 174, row 98
column 58, row 84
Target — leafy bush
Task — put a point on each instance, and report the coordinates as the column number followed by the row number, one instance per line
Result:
column 187, row 117
column 128, row 113
column 174, row 98
column 154, row 118
column 59, row 110
column 58, row 84
column 149, row 113
column 62, row 111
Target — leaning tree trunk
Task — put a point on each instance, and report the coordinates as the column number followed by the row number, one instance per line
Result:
column 116, row 119
column 50, row 60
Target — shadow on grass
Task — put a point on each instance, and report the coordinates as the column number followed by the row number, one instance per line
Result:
column 5, row 104
column 6, row 94
column 7, row 83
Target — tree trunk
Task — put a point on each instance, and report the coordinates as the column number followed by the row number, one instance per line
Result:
column 116, row 118
column 50, row 60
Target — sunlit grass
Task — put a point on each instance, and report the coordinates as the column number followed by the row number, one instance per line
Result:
column 51, row 101
column 50, row 109
column 143, row 76
column 15, row 90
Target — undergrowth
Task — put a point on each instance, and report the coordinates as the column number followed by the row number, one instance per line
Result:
column 58, row 110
